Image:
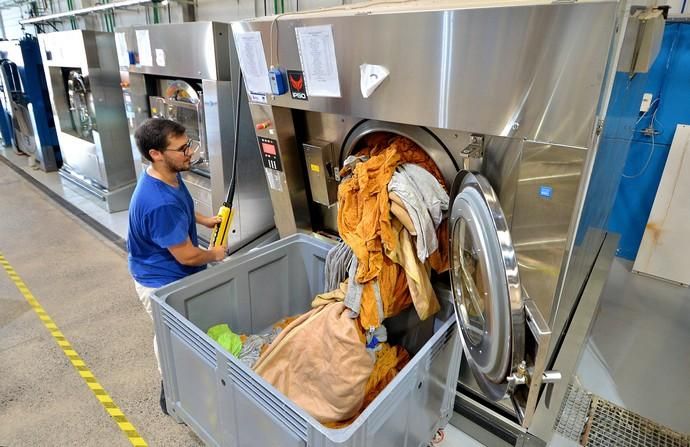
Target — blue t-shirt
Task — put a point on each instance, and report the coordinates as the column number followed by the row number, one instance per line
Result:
column 160, row 216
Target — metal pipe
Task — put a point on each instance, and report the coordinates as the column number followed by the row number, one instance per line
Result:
column 156, row 14
column 89, row 10
column 73, row 22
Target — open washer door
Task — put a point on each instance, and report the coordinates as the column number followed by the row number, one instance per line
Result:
column 503, row 335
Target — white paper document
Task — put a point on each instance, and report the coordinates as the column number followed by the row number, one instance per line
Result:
column 250, row 50
column 317, row 54
column 122, row 54
column 144, row 46
column 160, row 57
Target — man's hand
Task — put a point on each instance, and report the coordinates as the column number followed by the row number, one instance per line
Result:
column 219, row 253
column 208, row 222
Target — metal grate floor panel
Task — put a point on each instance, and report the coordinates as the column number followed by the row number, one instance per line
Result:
column 595, row 422
column 574, row 412
column 610, row 425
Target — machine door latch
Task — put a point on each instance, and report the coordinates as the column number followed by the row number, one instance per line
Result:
column 476, row 147
column 523, row 374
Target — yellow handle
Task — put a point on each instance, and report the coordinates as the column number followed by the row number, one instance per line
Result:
column 221, row 230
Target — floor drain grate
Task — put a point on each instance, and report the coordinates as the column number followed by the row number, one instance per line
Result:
column 611, row 425
column 574, row 411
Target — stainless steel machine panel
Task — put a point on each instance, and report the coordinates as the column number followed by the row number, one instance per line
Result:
column 92, row 127
column 196, row 89
column 195, row 50
column 508, row 93
column 492, row 70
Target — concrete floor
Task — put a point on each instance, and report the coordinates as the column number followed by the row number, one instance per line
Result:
column 82, row 282
column 638, row 354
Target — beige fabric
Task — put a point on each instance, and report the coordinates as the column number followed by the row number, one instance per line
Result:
column 320, row 363
column 400, row 212
column 336, row 295
column 145, row 298
column 417, row 273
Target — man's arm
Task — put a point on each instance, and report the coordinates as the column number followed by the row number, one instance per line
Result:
column 208, row 222
column 187, row 254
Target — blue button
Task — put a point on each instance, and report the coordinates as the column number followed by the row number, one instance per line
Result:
column 546, row 191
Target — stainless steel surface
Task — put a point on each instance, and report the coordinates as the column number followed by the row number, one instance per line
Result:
column 489, row 428
column 488, row 300
column 525, row 81
column 521, row 57
column 646, row 31
column 197, row 89
column 572, row 347
column 101, row 157
column 545, row 197
column 321, row 167
column 286, row 186
column 182, row 44
column 527, row 400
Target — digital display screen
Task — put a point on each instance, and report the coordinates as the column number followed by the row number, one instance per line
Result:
column 268, row 148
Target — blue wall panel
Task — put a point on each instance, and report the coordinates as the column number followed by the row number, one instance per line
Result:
column 669, row 82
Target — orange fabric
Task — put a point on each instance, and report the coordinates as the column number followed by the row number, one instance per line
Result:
column 285, row 322
column 395, row 295
column 364, row 222
column 364, row 212
column 440, row 259
column 390, row 360
column 409, row 151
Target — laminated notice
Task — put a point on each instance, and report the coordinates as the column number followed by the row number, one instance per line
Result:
column 317, row 54
column 144, row 47
column 250, row 51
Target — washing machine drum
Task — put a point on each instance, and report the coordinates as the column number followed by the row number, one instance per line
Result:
column 424, row 138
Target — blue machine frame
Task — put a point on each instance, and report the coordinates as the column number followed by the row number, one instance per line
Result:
column 27, row 92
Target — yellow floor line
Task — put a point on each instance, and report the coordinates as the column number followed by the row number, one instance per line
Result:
column 103, row 397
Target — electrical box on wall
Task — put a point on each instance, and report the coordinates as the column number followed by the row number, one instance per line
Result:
column 642, row 42
column 321, row 172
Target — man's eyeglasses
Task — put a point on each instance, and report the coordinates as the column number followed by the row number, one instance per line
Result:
column 189, row 147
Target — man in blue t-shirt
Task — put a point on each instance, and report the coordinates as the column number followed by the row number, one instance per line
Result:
column 162, row 241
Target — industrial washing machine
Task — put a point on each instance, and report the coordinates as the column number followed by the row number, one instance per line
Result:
column 89, row 114
column 26, row 98
column 165, row 74
column 508, row 99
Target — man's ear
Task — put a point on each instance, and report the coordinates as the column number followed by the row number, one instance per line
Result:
column 155, row 154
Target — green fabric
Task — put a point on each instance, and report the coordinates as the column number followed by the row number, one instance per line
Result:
column 230, row 341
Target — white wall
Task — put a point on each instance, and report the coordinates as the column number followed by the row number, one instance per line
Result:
column 677, row 7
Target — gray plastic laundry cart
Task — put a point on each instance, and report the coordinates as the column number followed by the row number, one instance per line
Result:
column 227, row 404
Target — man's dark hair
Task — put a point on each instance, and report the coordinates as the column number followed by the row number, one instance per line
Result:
column 154, row 134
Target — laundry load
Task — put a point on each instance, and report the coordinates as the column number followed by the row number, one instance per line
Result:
column 335, row 359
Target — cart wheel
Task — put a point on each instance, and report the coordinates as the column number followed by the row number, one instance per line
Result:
column 438, row 437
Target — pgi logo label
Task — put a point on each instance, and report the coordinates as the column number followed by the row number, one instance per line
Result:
column 297, row 88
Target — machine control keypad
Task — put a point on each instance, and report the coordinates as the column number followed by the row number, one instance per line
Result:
column 269, row 153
